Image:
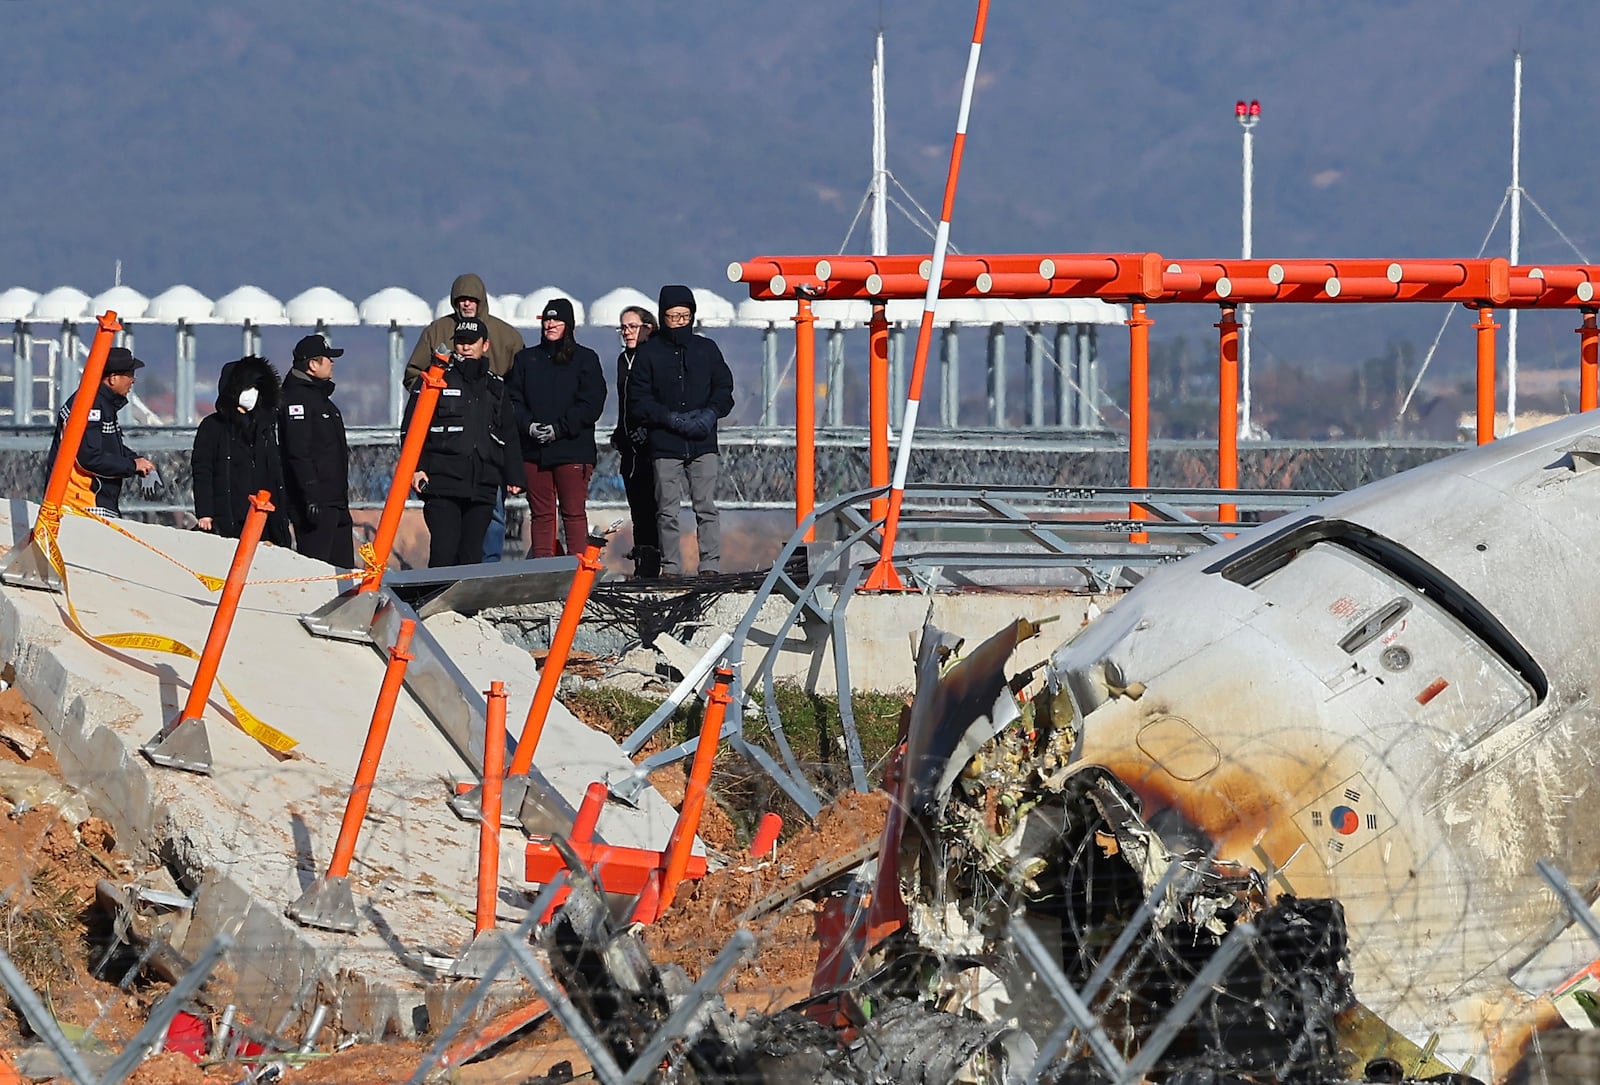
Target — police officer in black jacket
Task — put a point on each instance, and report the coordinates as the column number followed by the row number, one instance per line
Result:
column 678, row 389
column 470, row 454
column 316, row 458
column 104, row 459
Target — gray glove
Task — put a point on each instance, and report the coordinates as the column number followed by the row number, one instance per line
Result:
column 151, row 484
column 541, row 432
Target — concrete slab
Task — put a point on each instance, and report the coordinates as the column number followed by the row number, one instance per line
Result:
column 250, row 837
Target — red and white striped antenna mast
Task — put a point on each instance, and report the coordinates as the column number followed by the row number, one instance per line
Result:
column 883, row 577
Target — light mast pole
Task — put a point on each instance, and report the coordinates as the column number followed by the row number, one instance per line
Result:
column 1247, row 114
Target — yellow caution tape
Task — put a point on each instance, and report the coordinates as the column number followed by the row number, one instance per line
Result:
column 270, row 737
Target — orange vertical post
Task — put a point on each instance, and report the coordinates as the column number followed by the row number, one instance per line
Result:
column 594, row 801
column 560, row 646
column 494, row 756
column 394, row 505
column 878, row 407
column 805, row 412
column 1228, row 409
column 1486, row 392
column 94, row 367
column 1588, row 363
column 205, row 674
column 1138, row 411
column 355, row 809
column 694, row 796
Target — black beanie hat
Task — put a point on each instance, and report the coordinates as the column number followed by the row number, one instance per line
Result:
column 560, row 309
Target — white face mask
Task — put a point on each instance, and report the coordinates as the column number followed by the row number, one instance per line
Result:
column 248, row 398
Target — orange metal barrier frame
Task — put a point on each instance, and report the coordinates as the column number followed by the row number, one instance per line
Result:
column 555, row 659
column 55, row 490
column 694, row 796
column 205, row 675
column 805, row 412
column 394, row 505
column 1138, row 410
column 1136, row 278
column 494, row 756
column 878, row 407
column 355, row 809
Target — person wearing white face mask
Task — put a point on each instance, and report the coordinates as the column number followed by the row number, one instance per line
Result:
column 236, row 452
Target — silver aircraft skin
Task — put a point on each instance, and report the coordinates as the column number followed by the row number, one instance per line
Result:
column 1387, row 699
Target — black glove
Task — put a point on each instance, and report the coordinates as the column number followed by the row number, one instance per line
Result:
column 696, row 426
column 313, row 514
column 639, row 437
column 682, row 423
column 708, row 419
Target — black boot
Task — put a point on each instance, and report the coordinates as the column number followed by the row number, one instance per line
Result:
column 646, row 562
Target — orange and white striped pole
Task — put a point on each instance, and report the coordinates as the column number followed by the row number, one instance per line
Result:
column 883, row 576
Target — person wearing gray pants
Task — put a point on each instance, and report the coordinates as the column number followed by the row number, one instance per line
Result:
column 678, row 389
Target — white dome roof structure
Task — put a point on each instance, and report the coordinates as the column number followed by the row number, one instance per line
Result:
column 841, row 313
column 502, row 304
column 179, row 303
column 394, row 305
column 125, row 301
column 249, row 304
column 533, row 304
column 444, row 308
column 971, row 311
column 1075, row 311
column 758, row 314
column 16, row 303
column 321, row 305
column 64, row 303
column 712, row 310
column 606, row 310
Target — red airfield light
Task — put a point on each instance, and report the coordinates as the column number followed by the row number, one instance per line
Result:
column 1239, row 109
column 1247, row 113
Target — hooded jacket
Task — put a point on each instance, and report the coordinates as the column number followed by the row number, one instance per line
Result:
column 103, row 459
column 236, row 454
column 559, row 384
column 677, row 372
column 471, row 450
column 504, row 340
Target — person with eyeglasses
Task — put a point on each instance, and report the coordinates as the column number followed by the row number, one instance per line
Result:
column 633, row 448
column 558, row 391
column 678, row 389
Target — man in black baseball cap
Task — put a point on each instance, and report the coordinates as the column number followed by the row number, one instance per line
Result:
column 469, row 331
column 104, row 460
column 311, row 348
column 316, row 456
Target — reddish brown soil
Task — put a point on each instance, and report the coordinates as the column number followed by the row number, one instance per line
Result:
column 40, row 856
column 702, row 920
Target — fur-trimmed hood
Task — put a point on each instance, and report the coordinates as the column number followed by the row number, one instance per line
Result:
column 248, row 372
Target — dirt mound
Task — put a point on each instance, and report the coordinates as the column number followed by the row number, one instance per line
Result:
column 706, row 913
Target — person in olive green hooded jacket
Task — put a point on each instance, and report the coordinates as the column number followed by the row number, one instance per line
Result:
column 469, row 300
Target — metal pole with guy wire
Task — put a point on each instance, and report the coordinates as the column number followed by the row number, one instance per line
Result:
column 1247, row 115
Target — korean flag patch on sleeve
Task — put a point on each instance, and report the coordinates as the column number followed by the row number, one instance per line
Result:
column 94, row 414
column 297, row 410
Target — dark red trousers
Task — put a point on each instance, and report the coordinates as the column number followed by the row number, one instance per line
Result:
column 567, row 486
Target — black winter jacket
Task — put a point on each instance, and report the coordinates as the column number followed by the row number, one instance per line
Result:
column 567, row 395
column 471, row 449
column 316, row 458
column 102, row 454
column 236, row 454
column 675, row 372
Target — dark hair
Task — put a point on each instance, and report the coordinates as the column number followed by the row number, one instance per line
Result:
column 645, row 315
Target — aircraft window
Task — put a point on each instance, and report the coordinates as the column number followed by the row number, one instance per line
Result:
column 1254, row 563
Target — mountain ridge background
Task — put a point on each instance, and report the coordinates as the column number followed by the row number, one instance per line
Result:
column 366, row 143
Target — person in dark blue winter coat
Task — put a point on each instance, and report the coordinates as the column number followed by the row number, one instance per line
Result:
column 678, row 390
